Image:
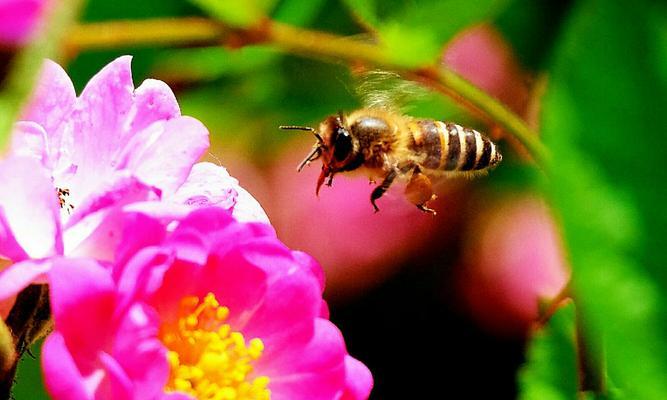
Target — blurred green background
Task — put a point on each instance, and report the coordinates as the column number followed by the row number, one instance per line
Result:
column 589, row 75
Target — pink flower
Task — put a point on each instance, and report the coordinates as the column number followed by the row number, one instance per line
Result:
column 513, row 261
column 483, row 56
column 77, row 164
column 20, row 19
column 115, row 145
column 214, row 307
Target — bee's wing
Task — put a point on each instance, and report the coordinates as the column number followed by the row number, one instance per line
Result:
column 387, row 90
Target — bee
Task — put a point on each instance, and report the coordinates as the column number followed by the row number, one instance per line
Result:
column 388, row 145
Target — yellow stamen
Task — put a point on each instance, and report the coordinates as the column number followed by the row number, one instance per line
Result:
column 209, row 360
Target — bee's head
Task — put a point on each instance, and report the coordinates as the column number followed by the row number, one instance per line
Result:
column 335, row 146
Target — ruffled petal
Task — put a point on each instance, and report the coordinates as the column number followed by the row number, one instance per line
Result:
column 211, row 185
column 162, row 155
column 153, row 101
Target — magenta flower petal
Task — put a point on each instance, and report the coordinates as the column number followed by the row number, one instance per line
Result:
column 142, row 357
column 62, row 377
column 315, row 371
column 115, row 345
column 30, row 210
column 81, row 287
column 118, row 384
column 291, row 303
column 212, row 290
column 143, row 274
column 358, row 380
column 139, row 231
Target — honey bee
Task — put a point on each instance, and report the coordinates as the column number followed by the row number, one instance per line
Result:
column 388, row 146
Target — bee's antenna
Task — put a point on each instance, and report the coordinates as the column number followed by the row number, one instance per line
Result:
column 297, row 128
column 302, row 128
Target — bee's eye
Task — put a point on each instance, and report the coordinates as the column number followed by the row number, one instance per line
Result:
column 342, row 145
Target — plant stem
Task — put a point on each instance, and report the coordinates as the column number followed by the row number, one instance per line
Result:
column 309, row 43
column 128, row 33
column 27, row 64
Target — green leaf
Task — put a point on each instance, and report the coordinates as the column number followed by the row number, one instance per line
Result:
column 550, row 372
column 241, row 14
column 29, row 381
column 297, row 12
column 604, row 119
column 415, row 32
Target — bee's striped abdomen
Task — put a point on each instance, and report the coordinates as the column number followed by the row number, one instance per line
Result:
column 451, row 147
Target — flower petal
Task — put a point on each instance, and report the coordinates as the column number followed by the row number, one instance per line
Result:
column 315, row 371
column 52, row 102
column 142, row 356
column 119, row 385
column 62, row 378
column 30, row 207
column 19, row 275
column 143, row 274
column 9, row 247
column 358, row 380
column 292, row 300
column 210, row 184
column 83, row 299
column 98, row 124
column 162, row 155
column 97, row 223
column 29, row 140
column 139, row 231
column 153, row 101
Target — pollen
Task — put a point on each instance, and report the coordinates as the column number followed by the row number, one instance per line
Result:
column 63, row 199
column 207, row 358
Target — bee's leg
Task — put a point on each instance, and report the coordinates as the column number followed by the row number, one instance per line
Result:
column 419, row 190
column 380, row 190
